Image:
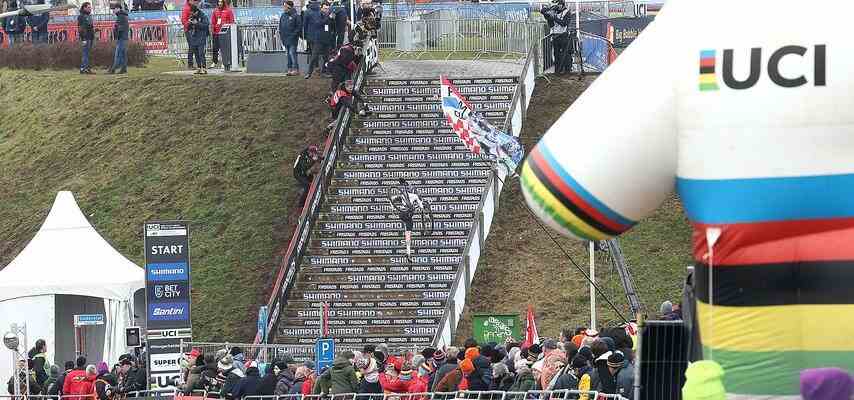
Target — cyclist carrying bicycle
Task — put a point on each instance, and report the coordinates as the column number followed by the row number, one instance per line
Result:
column 407, row 204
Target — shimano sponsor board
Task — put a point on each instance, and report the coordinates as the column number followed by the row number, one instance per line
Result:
column 167, row 283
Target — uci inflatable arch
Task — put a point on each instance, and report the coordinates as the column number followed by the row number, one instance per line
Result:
column 747, row 108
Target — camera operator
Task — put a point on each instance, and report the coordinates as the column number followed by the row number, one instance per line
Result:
column 561, row 23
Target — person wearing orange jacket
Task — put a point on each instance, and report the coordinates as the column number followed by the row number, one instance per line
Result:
column 222, row 15
column 185, row 21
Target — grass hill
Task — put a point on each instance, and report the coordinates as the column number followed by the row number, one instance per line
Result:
column 216, row 151
column 521, row 265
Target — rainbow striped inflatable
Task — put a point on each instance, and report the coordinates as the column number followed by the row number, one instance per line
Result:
column 753, row 125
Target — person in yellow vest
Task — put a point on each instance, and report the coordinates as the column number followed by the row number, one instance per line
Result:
column 704, row 381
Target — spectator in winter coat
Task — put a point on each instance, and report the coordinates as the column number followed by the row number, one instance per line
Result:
column 86, row 33
column 105, row 383
column 268, row 382
column 622, row 374
column 185, row 21
column 342, row 375
column 15, row 26
column 502, row 379
column 290, row 30
column 69, row 366
column 367, row 366
column 449, row 366
column 394, row 380
column 222, row 15
column 319, row 25
column 38, row 26
column 524, row 377
column 51, row 387
column 250, row 384
column 239, row 358
column 300, row 378
column 450, row 381
column 82, row 384
column 208, row 379
column 601, row 378
column 285, row 378
column 34, row 387
column 40, row 365
column 481, row 378
column 198, row 36
column 342, row 22
column 230, row 376
column 121, row 30
column 73, row 375
column 194, row 376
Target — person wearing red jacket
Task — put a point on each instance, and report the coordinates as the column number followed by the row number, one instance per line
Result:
column 222, row 15
column 185, row 20
column 80, row 385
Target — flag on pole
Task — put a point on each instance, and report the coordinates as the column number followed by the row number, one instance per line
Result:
column 531, row 335
column 324, row 323
column 476, row 132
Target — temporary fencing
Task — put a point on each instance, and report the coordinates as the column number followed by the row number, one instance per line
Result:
column 270, row 352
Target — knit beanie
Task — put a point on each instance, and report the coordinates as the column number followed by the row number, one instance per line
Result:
column 666, row 308
column 102, row 368
column 616, row 360
column 826, row 384
column 439, row 356
column 704, row 381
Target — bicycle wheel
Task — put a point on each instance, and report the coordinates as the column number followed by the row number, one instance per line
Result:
column 393, row 193
column 426, row 220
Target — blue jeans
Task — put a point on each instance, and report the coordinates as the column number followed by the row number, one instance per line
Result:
column 87, row 47
column 199, row 53
column 293, row 64
column 120, row 60
column 40, row 37
column 13, row 38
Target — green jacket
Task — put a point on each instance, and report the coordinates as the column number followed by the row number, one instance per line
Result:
column 343, row 377
column 524, row 382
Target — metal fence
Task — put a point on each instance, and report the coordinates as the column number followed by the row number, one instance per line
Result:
column 271, row 352
column 467, row 395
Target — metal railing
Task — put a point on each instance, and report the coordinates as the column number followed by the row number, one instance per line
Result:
column 488, row 205
column 270, row 352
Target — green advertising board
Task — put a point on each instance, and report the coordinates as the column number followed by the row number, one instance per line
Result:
column 496, row 327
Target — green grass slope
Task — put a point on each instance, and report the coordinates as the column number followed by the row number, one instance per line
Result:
column 522, row 265
column 216, row 151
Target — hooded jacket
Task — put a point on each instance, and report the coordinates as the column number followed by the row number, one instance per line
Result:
column 284, row 382
column 343, row 377
column 268, row 382
column 290, row 27
column 249, row 385
column 481, row 378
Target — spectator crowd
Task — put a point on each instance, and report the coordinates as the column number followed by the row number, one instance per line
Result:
column 78, row 379
column 581, row 359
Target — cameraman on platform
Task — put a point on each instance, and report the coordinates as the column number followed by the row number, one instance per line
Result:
column 562, row 25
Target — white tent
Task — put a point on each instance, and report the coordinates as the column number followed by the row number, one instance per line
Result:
column 67, row 269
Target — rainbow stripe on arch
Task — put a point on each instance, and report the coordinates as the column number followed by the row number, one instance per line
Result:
column 568, row 204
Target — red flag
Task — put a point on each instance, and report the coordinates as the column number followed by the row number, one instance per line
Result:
column 324, row 323
column 531, row 335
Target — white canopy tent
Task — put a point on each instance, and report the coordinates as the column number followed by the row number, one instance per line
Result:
column 67, row 269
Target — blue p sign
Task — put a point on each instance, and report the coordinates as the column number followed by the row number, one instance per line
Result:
column 324, row 351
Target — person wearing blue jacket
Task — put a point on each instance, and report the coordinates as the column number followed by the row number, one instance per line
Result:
column 14, row 25
column 121, row 30
column 342, row 22
column 38, row 26
column 319, row 25
column 290, row 30
column 197, row 36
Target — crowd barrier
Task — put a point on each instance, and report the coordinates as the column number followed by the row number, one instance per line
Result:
column 467, row 395
column 269, row 352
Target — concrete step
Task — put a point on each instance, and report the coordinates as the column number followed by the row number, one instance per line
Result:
column 356, row 314
column 500, row 113
column 434, row 107
column 430, row 148
column 437, row 233
column 452, row 243
column 337, row 217
column 369, row 295
column 398, row 251
column 338, row 208
column 435, row 82
column 358, row 135
column 434, row 98
column 432, row 190
column 413, row 174
column 369, row 269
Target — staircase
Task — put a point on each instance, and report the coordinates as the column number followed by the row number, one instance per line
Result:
column 356, row 254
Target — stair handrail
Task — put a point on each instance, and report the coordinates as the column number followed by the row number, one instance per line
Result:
column 296, row 248
column 482, row 224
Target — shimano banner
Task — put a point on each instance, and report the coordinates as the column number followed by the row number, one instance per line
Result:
column 167, row 284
